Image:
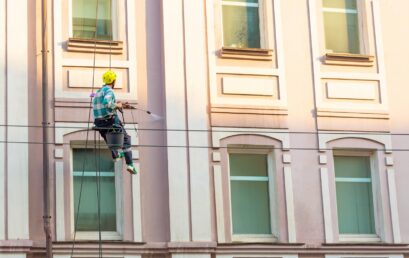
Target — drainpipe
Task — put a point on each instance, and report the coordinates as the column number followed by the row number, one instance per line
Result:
column 46, row 189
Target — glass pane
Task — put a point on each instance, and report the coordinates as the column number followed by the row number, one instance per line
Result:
column 350, row 166
column 250, row 207
column 88, row 210
column 84, row 19
column 241, row 26
column 248, row 164
column 102, row 159
column 341, row 32
column 344, row 4
column 355, row 208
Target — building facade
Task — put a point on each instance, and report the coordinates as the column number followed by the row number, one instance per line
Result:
column 275, row 128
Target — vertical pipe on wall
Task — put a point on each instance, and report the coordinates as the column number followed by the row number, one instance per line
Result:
column 44, row 52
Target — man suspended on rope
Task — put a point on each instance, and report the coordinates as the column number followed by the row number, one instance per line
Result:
column 106, row 118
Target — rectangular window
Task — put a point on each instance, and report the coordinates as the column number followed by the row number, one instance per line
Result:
column 250, row 198
column 84, row 19
column 241, row 23
column 341, row 25
column 102, row 165
column 354, row 195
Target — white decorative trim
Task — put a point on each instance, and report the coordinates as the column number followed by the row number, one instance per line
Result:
column 286, row 158
column 60, row 200
column 248, row 86
column 389, row 161
column 326, row 206
column 351, row 90
column 282, row 84
column 58, row 153
column 124, row 64
column 191, row 256
column 219, row 133
column 135, row 154
column 12, row 255
column 289, row 200
column 350, row 76
column 246, row 70
column 218, row 190
column 394, row 206
column 379, row 51
column 17, row 114
column 136, row 206
column 132, row 42
column 216, row 156
column 2, row 118
column 256, row 256
column 323, row 159
column 363, row 256
column 62, row 129
column 326, row 136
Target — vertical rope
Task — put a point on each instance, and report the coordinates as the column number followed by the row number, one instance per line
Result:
column 88, row 128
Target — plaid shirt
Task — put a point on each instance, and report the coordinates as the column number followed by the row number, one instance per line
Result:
column 104, row 103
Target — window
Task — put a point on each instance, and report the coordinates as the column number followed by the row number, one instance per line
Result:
column 354, row 195
column 341, row 25
column 84, row 24
column 102, row 165
column 241, row 23
column 250, row 190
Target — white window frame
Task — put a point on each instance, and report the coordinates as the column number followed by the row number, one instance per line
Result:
column 377, row 205
column 94, row 235
column 265, row 21
column 362, row 25
column 272, row 197
column 114, row 15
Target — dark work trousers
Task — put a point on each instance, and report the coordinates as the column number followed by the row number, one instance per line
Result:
column 104, row 126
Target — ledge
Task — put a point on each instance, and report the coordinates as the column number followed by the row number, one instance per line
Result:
column 95, row 46
column 246, row 53
column 348, row 59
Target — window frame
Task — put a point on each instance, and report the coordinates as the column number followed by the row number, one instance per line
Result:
column 362, row 28
column 114, row 15
column 272, row 196
column 265, row 25
column 94, row 235
column 377, row 237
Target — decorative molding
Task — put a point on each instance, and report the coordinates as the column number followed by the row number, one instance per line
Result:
column 218, row 189
column 58, row 153
column 347, row 113
column 394, row 206
column 286, row 158
column 243, row 70
column 60, row 200
column 289, row 200
column 258, row 256
column 81, row 78
column 3, row 112
column 219, row 133
column 248, row 86
column 350, row 90
column 326, row 206
column 363, row 256
column 216, row 156
column 389, row 161
column 323, row 159
column 326, row 136
column 136, row 206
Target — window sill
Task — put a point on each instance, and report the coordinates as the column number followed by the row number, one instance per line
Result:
column 254, row 239
column 95, row 46
column 94, row 235
column 359, row 239
column 246, row 53
column 348, row 59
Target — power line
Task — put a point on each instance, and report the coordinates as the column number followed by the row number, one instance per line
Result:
column 236, row 146
column 243, row 130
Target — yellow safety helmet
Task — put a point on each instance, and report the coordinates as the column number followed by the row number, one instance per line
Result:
column 109, row 77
